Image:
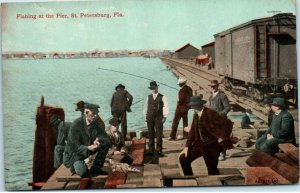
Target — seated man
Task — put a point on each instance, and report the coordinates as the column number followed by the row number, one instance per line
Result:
column 86, row 138
column 281, row 129
column 62, row 135
column 117, row 150
column 246, row 122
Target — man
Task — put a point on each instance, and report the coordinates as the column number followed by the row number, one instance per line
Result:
column 120, row 103
column 218, row 101
column 80, row 107
column 246, row 122
column 281, row 129
column 182, row 108
column 62, row 135
column 269, row 112
column 155, row 112
column 86, row 138
column 206, row 128
column 117, row 150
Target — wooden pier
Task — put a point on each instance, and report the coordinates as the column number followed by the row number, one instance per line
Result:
column 243, row 164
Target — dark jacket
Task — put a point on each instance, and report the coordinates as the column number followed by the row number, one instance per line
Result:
column 212, row 126
column 155, row 107
column 184, row 95
column 219, row 103
column 282, row 127
column 62, row 132
column 80, row 136
column 121, row 100
column 116, row 143
column 245, row 122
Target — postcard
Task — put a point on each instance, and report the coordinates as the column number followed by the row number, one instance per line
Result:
column 134, row 94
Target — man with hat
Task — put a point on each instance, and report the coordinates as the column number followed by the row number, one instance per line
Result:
column 246, row 122
column 203, row 137
column 270, row 113
column 80, row 107
column 218, row 101
column 182, row 108
column 281, row 129
column 155, row 112
column 117, row 150
column 86, row 138
column 120, row 103
column 62, row 135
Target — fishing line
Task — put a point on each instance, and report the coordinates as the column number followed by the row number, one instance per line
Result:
column 136, row 76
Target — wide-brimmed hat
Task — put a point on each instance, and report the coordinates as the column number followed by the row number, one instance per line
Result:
column 54, row 120
column 197, row 100
column 120, row 86
column 214, row 83
column 181, row 80
column 153, row 85
column 79, row 105
column 278, row 101
column 114, row 121
column 92, row 107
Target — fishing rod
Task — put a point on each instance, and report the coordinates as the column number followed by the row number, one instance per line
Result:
column 131, row 106
column 136, row 76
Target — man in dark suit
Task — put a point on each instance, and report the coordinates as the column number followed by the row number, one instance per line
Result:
column 207, row 127
column 218, row 101
column 182, row 108
column 281, row 129
column 155, row 112
column 246, row 122
column 120, row 104
column 86, row 138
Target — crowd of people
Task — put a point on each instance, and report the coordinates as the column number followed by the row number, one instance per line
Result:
column 209, row 134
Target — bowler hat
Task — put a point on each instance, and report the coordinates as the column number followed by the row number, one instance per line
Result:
column 278, row 101
column 92, row 107
column 197, row 100
column 79, row 105
column 120, row 86
column 214, row 83
column 153, row 85
column 181, row 80
column 54, row 120
column 114, row 121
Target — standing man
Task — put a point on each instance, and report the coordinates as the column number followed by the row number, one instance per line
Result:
column 155, row 112
column 203, row 137
column 182, row 108
column 281, row 129
column 120, row 103
column 218, row 101
column 86, row 138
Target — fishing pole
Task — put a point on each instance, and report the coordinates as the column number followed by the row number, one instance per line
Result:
column 131, row 106
column 136, row 76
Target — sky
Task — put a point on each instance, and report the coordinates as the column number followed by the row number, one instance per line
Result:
column 144, row 24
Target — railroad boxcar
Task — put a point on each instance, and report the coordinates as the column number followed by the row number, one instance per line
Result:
column 258, row 58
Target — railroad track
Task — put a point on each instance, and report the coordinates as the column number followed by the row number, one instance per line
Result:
column 202, row 79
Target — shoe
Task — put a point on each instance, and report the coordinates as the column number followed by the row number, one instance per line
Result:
column 160, row 154
column 221, row 156
column 171, row 139
column 97, row 171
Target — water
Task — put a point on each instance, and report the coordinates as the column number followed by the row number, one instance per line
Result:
column 64, row 82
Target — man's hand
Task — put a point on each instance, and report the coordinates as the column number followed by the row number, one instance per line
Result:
column 93, row 147
column 269, row 136
column 185, row 151
column 117, row 153
column 163, row 120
